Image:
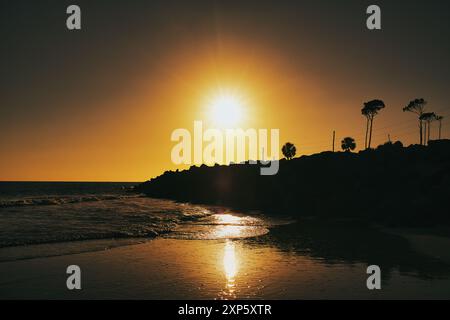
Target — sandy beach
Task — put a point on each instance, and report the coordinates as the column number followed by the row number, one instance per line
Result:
column 252, row 268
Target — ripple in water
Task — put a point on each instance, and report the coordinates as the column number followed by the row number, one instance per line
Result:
column 221, row 226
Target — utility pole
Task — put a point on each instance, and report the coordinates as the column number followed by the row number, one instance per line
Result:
column 334, row 137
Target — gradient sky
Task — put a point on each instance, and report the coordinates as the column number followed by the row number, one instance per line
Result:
column 100, row 104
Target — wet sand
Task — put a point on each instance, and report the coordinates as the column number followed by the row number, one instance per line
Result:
column 251, row 268
column 431, row 242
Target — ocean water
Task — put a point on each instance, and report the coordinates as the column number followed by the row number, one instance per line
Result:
column 306, row 259
column 65, row 217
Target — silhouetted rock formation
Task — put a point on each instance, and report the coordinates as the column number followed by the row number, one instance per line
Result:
column 391, row 185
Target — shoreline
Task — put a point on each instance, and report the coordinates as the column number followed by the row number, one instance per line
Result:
column 58, row 249
column 249, row 268
column 431, row 242
column 410, row 183
column 428, row 241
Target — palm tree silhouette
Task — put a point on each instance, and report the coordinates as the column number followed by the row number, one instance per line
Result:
column 427, row 118
column 289, row 150
column 365, row 112
column 417, row 106
column 348, row 144
column 370, row 110
column 439, row 118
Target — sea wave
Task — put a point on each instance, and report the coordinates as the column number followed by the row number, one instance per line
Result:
column 49, row 220
column 144, row 233
column 58, row 200
column 47, row 225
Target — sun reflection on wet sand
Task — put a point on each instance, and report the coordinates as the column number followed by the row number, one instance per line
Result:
column 221, row 232
column 230, row 267
column 220, row 226
column 228, row 219
column 231, row 226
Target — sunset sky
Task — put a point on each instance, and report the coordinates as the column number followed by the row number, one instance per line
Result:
column 100, row 104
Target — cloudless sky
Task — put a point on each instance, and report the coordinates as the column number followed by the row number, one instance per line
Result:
column 100, row 104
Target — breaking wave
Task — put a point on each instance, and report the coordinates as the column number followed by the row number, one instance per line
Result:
column 47, row 201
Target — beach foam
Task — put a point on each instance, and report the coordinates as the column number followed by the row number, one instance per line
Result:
column 56, row 219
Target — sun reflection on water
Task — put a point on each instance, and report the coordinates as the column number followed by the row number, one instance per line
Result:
column 230, row 226
column 230, row 267
column 228, row 219
column 229, row 261
column 229, row 231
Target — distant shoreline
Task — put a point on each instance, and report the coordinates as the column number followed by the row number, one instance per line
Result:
column 66, row 181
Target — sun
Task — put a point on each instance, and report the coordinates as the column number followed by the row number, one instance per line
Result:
column 226, row 110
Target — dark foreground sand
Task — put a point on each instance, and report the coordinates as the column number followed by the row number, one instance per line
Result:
column 209, row 269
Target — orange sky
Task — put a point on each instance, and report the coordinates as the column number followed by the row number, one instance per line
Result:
column 57, row 129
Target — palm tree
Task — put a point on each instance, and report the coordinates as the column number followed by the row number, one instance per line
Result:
column 348, row 144
column 427, row 118
column 365, row 112
column 370, row 110
column 439, row 118
column 417, row 106
column 289, row 150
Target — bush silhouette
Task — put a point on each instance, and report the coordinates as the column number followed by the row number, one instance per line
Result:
column 289, row 150
column 348, row 144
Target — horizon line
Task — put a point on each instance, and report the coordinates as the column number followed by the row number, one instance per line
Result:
column 74, row 181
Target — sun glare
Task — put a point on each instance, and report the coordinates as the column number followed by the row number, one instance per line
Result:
column 226, row 110
column 230, row 265
column 228, row 219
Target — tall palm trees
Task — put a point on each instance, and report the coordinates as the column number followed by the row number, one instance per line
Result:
column 417, row 106
column 365, row 112
column 427, row 118
column 370, row 110
column 439, row 118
